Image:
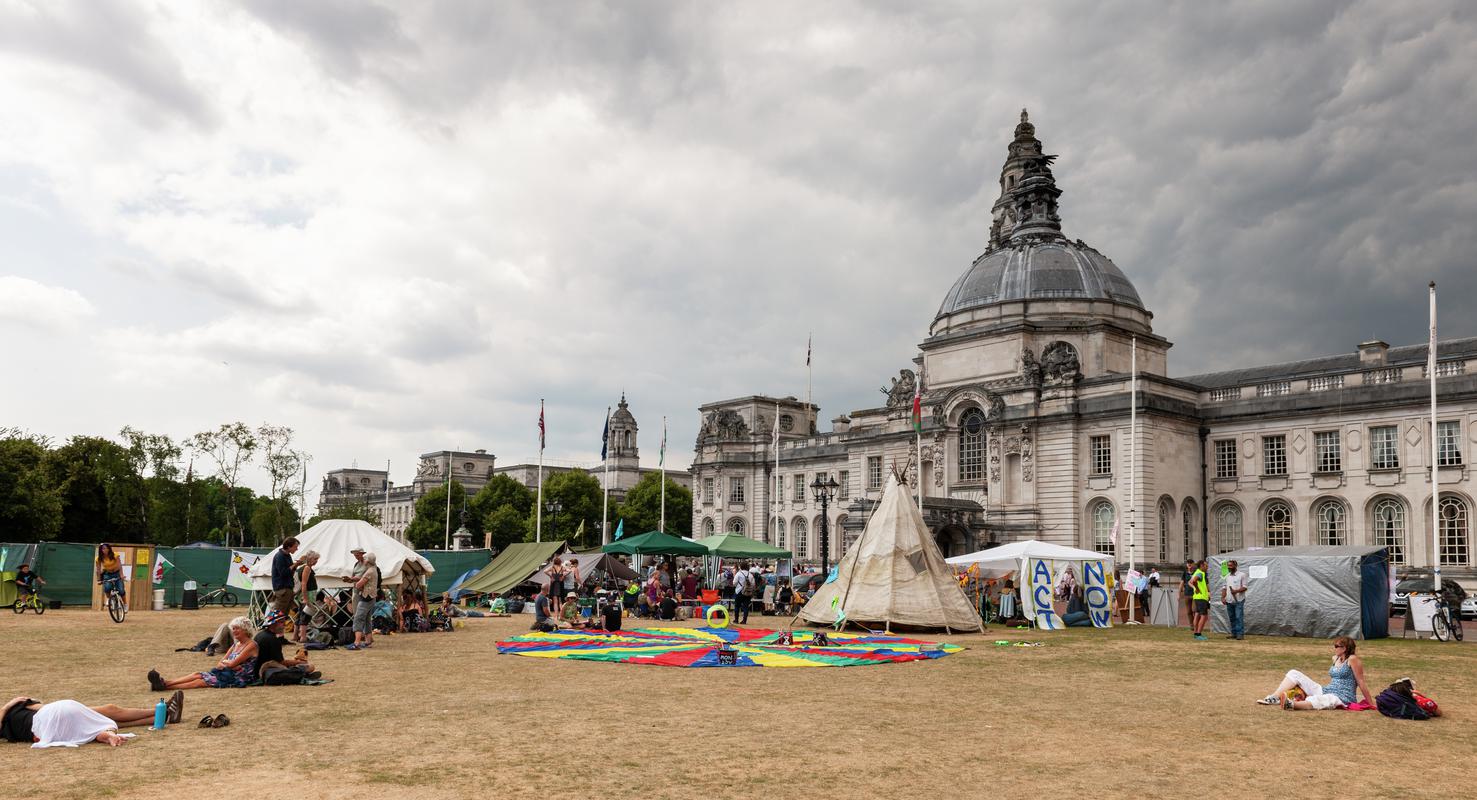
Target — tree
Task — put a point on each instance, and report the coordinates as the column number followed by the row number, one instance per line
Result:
column 30, row 504
column 500, row 491
column 282, row 464
column 428, row 528
column 153, row 459
column 231, row 447
column 356, row 509
column 99, row 489
column 578, row 495
column 505, row 526
column 269, row 518
column 642, row 506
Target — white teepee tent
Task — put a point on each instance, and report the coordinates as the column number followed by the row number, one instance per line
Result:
column 894, row 574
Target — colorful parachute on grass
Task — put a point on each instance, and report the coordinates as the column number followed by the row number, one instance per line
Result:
column 699, row 647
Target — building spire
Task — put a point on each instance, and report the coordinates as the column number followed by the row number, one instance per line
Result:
column 1028, row 194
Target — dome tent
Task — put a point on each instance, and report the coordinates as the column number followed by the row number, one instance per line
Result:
column 334, row 539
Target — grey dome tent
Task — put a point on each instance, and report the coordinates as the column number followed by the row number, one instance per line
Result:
column 1317, row 591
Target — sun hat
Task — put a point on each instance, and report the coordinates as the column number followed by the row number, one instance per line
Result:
column 273, row 617
column 571, row 594
column 357, row 550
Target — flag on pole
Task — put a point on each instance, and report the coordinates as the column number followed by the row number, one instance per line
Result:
column 662, row 457
column 1113, row 537
column 620, row 528
column 605, row 437
column 918, row 406
column 541, row 426
column 807, row 349
column 161, row 565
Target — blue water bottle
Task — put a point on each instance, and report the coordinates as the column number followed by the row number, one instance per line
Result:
column 160, row 712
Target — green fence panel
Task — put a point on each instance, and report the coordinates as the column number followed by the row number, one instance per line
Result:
column 450, row 564
column 67, row 569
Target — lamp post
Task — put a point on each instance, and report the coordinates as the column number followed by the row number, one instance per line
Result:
column 553, row 507
column 823, row 489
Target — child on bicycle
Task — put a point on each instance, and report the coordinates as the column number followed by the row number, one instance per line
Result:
column 27, row 583
column 109, row 570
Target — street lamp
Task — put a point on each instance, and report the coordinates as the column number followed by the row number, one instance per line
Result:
column 553, row 507
column 823, row 489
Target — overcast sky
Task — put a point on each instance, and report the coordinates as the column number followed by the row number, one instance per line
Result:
column 395, row 227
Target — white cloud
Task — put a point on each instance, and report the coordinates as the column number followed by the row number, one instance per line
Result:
column 45, row 309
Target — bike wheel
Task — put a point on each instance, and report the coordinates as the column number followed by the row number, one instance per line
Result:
column 116, row 609
column 38, row 606
column 1441, row 626
column 1456, row 626
column 19, row 606
column 228, row 599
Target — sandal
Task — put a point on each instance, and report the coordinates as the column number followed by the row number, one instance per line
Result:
column 220, row 721
column 206, row 721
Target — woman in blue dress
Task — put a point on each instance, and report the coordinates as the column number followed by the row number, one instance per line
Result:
column 1345, row 676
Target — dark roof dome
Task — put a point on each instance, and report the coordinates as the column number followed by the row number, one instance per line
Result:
column 1029, row 258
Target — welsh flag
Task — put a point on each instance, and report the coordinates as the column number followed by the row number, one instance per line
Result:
column 161, row 566
column 918, row 407
column 620, row 529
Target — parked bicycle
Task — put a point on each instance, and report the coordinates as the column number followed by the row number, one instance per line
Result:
column 32, row 601
column 221, row 595
column 1446, row 623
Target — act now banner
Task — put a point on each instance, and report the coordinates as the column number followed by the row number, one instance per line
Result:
column 1038, row 595
column 1095, row 591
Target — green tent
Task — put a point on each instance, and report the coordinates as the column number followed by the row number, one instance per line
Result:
column 512, row 567
column 737, row 545
column 653, row 543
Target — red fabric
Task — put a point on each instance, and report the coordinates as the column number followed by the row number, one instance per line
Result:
column 1427, row 704
column 1359, row 706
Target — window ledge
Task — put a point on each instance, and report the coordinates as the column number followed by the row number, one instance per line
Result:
column 1384, row 469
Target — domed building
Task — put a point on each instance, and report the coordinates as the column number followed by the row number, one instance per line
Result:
column 1025, row 377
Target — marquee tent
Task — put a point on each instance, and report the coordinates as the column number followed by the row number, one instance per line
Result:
column 518, row 563
column 1320, row 591
column 655, row 543
column 334, row 539
column 1018, row 556
column 894, row 574
column 737, row 545
column 1012, row 557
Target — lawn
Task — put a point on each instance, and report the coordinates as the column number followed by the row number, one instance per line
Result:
column 1125, row 712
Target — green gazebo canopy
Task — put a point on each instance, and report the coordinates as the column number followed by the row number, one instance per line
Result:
column 737, row 545
column 654, row 543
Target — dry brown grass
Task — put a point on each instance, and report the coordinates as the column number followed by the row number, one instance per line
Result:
column 1131, row 711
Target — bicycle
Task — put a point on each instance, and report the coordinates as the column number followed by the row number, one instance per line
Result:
column 31, row 601
column 117, row 606
column 1446, row 623
column 220, row 594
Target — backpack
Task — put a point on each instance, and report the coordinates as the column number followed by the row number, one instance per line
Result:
column 1427, row 704
column 284, row 676
column 1392, row 703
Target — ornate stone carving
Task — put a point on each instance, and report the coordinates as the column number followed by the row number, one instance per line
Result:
column 724, row 425
column 994, row 458
column 900, row 394
column 787, row 423
column 1030, row 368
column 429, row 468
column 1059, row 363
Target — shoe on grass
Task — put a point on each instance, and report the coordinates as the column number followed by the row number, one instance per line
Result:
column 156, row 681
column 1269, row 700
column 175, row 708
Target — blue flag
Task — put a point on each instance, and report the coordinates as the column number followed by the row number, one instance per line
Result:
column 605, row 437
column 620, row 528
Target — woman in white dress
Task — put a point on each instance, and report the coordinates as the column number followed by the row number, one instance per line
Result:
column 68, row 723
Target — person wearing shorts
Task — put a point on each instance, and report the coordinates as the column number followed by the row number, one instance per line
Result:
column 365, row 590
column 1200, row 595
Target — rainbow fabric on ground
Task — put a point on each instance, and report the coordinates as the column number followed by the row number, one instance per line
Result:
column 698, row 647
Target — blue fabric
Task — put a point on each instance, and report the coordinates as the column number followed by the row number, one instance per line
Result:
column 281, row 571
column 1341, row 682
column 1374, row 595
column 1236, row 616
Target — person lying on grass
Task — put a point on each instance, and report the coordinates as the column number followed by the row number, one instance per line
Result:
column 68, row 723
column 1346, row 674
column 236, row 669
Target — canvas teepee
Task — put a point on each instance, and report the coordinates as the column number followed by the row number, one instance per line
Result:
column 894, row 574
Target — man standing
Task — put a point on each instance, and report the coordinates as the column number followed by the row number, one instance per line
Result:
column 1188, row 592
column 365, row 590
column 743, row 592
column 1200, row 595
column 282, row 576
column 1234, row 596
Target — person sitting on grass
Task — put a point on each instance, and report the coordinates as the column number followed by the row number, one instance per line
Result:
column 236, row 669
column 569, row 614
column 221, row 641
column 412, row 611
column 667, row 607
column 1346, row 674
column 26, row 583
column 542, row 618
column 68, row 723
column 269, row 643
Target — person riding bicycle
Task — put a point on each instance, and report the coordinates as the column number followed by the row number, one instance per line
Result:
column 110, row 571
column 27, row 582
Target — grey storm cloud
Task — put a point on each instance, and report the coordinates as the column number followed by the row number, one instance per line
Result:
column 668, row 198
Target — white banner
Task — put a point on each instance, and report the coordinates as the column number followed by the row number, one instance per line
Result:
column 1095, row 590
column 241, row 564
column 1038, row 595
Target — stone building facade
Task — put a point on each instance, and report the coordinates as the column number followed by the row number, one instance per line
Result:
column 1026, row 396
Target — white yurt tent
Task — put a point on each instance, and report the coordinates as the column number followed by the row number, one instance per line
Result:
column 1017, row 557
column 334, row 539
column 894, row 574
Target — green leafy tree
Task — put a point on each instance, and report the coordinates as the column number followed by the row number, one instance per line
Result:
column 30, row 504
column 505, row 526
column 500, row 491
column 100, row 491
column 428, row 528
column 352, row 510
column 642, row 508
column 578, row 495
column 270, row 519
column 230, row 447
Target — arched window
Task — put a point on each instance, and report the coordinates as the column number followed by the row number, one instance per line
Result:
column 1187, row 519
column 1228, row 527
column 1330, row 516
column 1277, row 519
column 708, row 526
column 837, row 536
column 815, row 525
column 736, row 525
column 1453, row 516
column 1102, row 527
column 972, row 446
column 779, row 532
column 1389, row 528
column 1165, row 509
column 801, row 537
column 628, row 440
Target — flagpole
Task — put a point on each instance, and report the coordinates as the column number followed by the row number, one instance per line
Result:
column 605, row 489
column 1133, row 438
column 663, row 464
column 777, row 500
column 538, row 525
column 807, row 374
column 302, row 496
column 385, row 515
column 1435, row 453
column 447, row 545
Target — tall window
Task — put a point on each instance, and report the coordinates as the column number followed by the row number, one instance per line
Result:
column 736, row 490
column 1330, row 516
column 1330, row 455
column 1164, row 511
column 779, row 532
column 844, row 493
column 1453, row 531
column 1102, row 527
column 799, row 495
column 874, row 472
column 972, row 446
column 1274, row 455
column 1389, row 528
column 1278, row 523
column 801, row 537
column 708, row 527
column 736, row 525
column 1448, row 445
column 1228, row 527
column 1102, row 455
column 707, row 490
column 1187, row 517
column 1384, row 447
column 1225, row 458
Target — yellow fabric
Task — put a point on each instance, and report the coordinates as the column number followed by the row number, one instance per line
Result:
column 111, row 564
column 1202, row 589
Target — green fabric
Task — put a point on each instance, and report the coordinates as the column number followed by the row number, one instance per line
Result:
column 512, row 567
column 450, row 564
column 654, row 543
column 737, row 545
